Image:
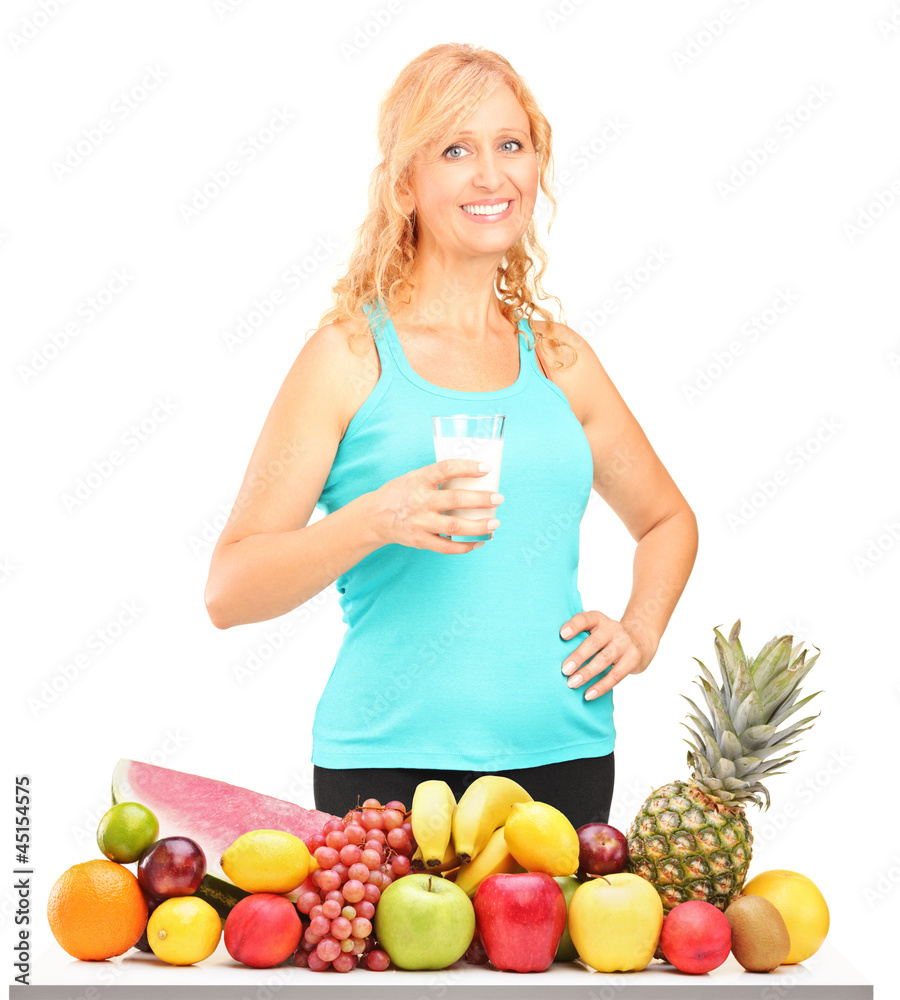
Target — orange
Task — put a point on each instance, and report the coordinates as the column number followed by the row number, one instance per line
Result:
column 96, row 910
column 801, row 904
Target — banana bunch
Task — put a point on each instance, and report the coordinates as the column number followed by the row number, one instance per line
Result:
column 449, row 863
column 483, row 808
column 433, row 807
column 464, row 840
column 494, row 859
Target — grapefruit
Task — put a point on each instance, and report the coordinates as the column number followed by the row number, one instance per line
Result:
column 801, row 905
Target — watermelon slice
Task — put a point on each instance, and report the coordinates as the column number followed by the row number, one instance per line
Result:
column 211, row 812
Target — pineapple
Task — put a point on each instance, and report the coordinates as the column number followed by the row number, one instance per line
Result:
column 691, row 840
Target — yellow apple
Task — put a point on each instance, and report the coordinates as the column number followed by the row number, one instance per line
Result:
column 615, row 922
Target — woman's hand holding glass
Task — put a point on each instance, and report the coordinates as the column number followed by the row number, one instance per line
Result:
column 408, row 508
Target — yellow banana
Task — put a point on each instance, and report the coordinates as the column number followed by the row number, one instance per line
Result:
column 484, row 806
column 432, row 815
column 493, row 859
column 448, row 863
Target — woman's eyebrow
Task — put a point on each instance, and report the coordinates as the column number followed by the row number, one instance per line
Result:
column 499, row 130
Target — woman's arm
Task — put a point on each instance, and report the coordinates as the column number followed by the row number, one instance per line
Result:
column 268, row 574
column 630, row 477
column 269, row 559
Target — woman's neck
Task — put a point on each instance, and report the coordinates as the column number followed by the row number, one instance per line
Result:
column 453, row 296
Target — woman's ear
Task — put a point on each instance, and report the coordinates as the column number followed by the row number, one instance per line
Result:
column 405, row 198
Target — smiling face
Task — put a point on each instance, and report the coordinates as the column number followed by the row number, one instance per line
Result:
column 476, row 195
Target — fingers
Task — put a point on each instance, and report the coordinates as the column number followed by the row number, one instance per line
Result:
column 583, row 671
column 584, row 621
column 420, row 513
column 608, row 647
column 456, row 468
column 446, row 524
column 447, row 546
column 458, row 498
column 616, row 674
column 462, row 511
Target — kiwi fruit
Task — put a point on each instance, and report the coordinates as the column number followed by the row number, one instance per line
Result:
column 759, row 935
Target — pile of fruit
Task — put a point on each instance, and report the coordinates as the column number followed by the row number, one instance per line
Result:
column 495, row 877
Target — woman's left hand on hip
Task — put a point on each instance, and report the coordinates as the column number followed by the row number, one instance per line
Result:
column 625, row 647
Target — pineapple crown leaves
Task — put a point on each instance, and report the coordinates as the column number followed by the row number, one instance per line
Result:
column 739, row 731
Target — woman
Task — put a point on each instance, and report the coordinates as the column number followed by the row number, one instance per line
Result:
column 488, row 662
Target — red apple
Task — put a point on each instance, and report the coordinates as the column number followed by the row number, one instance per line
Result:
column 696, row 937
column 602, row 850
column 521, row 919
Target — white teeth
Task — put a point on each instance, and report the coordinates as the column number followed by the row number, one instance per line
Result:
column 486, row 209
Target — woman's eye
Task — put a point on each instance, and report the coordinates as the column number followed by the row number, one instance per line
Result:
column 449, row 151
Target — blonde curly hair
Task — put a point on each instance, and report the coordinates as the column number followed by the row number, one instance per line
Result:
column 432, row 96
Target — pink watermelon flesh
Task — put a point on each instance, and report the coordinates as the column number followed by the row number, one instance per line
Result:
column 211, row 812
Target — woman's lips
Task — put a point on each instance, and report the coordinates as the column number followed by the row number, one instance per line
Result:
column 489, row 218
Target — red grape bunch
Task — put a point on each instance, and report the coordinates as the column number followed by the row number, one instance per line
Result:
column 358, row 858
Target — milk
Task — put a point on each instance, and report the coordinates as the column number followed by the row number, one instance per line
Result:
column 479, row 449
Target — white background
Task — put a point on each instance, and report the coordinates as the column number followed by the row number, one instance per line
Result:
column 807, row 409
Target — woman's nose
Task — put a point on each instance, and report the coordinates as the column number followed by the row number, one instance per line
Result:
column 487, row 171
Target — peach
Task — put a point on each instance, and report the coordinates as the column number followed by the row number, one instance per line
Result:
column 695, row 937
column 262, row 930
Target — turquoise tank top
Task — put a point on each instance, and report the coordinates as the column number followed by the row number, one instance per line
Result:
column 454, row 661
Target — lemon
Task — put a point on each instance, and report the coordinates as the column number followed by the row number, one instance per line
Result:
column 267, row 861
column 126, row 831
column 541, row 839
column 184, row 930
column 801, row 905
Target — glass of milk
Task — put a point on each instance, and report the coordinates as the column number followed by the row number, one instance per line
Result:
column 475, row 436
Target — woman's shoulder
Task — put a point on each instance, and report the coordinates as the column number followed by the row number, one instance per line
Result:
column 346, row 351
column 560, row 346
column 569, row 362
column 558, row 341
column 344, row 343
column 342, row 332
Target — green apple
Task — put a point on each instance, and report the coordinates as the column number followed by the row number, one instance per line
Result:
column 566, row 951
column 615, row 922
column 424, row 922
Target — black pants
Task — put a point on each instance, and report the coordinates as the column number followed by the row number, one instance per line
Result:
column 581, row 789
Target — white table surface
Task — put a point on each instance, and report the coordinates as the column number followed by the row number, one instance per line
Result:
column 137, row 975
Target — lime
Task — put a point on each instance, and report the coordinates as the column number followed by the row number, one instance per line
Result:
column 184, row 930
column 126, row 831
